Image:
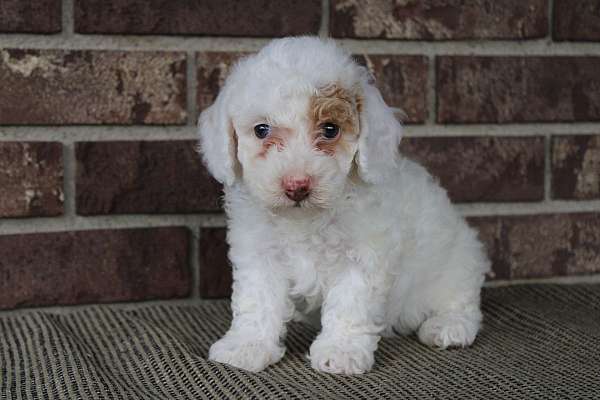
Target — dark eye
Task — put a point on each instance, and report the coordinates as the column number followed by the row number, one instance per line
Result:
column 262, row 130
column 329, row 130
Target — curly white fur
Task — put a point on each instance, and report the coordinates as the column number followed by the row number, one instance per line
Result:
column 375, row 249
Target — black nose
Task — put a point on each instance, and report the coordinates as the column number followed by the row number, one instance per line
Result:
column 298, row 194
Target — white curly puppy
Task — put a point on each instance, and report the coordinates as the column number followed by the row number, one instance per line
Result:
column 326, row 221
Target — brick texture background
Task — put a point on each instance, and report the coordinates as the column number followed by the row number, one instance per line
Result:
column 31, row 179
column 42, row 16
column 103, row 197
column 142, row 177
column 58, row 87
column 87, row 266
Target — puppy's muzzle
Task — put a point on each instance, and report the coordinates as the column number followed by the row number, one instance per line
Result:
column 296, row 188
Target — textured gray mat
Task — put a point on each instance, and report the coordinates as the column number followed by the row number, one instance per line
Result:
column 539, row 342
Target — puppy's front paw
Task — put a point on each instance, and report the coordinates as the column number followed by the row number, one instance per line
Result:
column 251, row 355
column 448, row 331
column 348, row 355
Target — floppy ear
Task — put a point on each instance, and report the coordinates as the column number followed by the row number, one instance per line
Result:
column 217, row 142
column 380, row 134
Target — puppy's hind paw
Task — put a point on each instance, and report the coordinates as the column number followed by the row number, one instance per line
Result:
column 445, row 331
column 251, row 355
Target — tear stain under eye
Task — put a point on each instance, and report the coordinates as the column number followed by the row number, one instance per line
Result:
column 328, row 146
column 270, row 141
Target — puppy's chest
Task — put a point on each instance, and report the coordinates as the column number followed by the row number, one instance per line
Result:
column 308, row 255
column 312, row 256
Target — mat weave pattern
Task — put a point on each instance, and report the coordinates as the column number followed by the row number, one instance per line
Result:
column 539, row 342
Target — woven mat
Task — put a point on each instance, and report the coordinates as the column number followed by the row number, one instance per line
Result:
column 539, row 342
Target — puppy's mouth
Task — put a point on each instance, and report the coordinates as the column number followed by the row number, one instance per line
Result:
column 314, row 199
column 306, row 203
column 298, row 203
column 298, row 209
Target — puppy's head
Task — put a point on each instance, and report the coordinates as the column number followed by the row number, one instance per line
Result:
column 293, row 121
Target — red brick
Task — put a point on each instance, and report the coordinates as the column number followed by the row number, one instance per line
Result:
column 483, row 168
column 213, row 69
column 207, row 17
column 30, row 16
column 439, row 19
column 31, row 179
column 143, row 177
column 402, row 81
column 517, row 89
column 93, row 266
column 536, row 246
column 215, row 269
column 92, row 87
column 576, row 167
column 577, row 20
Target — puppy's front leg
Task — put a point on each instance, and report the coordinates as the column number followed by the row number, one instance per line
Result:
column 260, row 308
column 352, row 319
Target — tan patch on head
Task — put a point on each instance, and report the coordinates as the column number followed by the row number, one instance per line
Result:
column 339, row 106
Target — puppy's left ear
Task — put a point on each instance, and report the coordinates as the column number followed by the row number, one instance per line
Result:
column 380, row 134
column 217, row 141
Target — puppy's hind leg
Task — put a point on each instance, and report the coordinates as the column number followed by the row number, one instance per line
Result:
column 449, row 320
column 452, row 313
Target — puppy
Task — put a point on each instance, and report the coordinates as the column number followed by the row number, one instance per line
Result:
column 326, row 221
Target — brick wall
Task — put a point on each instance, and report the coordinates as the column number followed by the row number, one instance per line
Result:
column 102, row 197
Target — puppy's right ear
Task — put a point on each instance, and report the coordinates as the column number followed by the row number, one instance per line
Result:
column 217, row 142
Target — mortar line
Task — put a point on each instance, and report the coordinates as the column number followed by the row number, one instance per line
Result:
column 68, row 20
column 325, row 22
column 191, row 88
column 72, row 133
column 195, row 260
column 529, row 208
column 550, row 20
column 376, row 46
column 430, row 92
column 69, row 171
column 548, row 168
column 563, row 280
column 122, row 221
column 77, row 222
column 502, row 130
